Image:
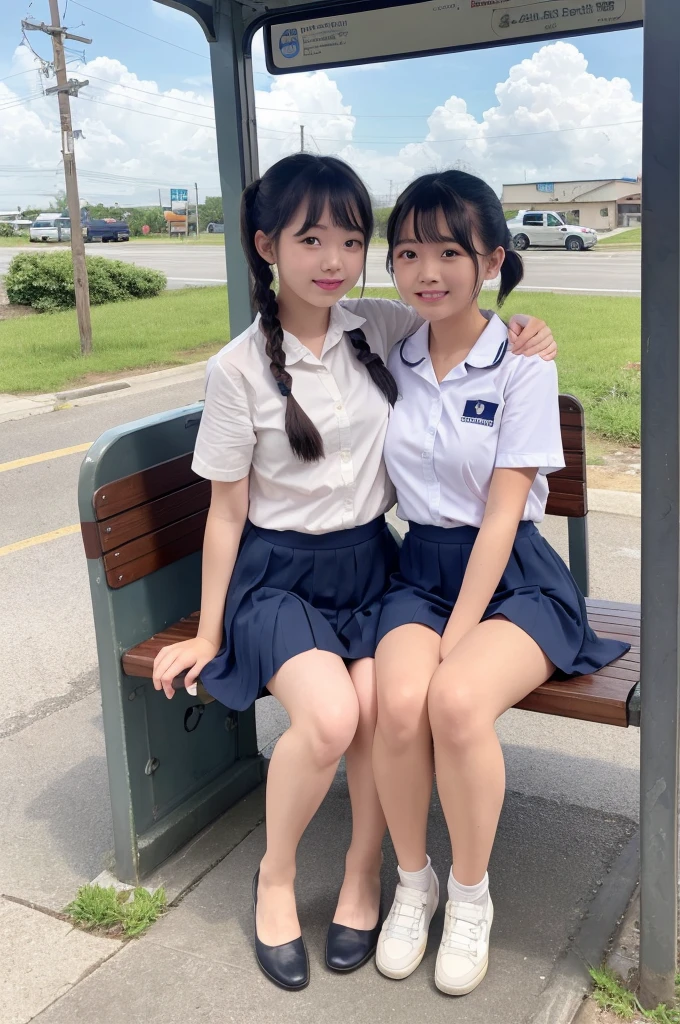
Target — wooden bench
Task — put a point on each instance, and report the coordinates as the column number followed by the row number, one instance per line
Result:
column 150, row 519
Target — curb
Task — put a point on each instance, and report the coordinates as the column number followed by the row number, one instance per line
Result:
column 562, row 999
column 618, row 503
column 15, row 407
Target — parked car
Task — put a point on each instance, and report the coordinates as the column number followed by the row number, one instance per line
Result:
column 549, row 228
column 215, row 228
column 50, row 227
column 106, row 230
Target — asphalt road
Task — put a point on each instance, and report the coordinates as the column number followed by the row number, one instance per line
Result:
column 594, row 272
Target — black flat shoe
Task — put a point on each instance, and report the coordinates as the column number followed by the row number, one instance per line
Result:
column 286, row 965
column 347, row 949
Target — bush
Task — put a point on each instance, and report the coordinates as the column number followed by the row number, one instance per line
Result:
column 45, row 281
column 6, row 230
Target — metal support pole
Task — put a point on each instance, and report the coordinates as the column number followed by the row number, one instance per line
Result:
column 660, row 667
column 68, row 150
column 579, row 561
column 236, row 147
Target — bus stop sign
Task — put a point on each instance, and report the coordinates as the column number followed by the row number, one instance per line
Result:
column 345, row 35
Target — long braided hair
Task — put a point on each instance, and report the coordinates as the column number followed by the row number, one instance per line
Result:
column 269, row 205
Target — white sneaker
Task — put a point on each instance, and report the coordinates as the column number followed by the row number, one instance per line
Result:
column 403, row 938
column 463, row 955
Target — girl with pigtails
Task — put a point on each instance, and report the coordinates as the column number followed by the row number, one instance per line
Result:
column 297, row 555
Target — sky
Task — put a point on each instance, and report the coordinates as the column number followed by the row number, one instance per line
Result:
column 535, row 112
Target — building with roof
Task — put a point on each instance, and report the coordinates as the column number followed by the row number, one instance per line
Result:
column 601, row 203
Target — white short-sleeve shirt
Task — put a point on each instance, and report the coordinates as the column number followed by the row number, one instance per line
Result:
column 445, row 439
column 242, row 429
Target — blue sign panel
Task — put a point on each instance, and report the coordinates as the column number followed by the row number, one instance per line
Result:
column 546, row 186
column 179, row 195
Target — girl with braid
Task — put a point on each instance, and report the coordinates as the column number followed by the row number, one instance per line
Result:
column 297, row 555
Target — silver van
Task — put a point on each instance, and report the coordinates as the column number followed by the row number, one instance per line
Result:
column 549, row 228
column 50, row 227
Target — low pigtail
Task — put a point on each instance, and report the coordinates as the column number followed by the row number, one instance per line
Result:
column 512, row 272
column 303, row 436
column 380, row 375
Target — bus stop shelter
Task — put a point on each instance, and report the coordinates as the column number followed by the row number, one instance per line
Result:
column 307, row 36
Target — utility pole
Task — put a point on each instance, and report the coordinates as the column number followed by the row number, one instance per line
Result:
column 64, row 89
column 160, row 202
column 197, row 227
column 302, row 138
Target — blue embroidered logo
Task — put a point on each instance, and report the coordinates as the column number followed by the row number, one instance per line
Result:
column 480, row 412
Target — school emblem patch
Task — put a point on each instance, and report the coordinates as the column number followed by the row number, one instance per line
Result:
column 477, row 411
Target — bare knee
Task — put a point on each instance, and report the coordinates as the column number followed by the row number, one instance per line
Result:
column 330, row 727
column 456, row 716
column 400, row 712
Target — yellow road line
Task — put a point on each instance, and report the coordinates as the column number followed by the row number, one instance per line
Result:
column 43, row 538
column 44, row 457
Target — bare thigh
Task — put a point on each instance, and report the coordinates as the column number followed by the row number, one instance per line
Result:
column 317, row 691
column 405, row 661
column 493, row 667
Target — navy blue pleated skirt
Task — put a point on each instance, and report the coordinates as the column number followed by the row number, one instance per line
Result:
column 292, row 592
column 536, row 592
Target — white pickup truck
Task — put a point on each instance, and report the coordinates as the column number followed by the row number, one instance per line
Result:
column 549, row 228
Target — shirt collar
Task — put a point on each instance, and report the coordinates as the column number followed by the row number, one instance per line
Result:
column 341, row 320
column 487, row 352
column 491, row 345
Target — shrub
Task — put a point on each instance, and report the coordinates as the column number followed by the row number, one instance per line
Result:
column 6, row 230
column 45, row 281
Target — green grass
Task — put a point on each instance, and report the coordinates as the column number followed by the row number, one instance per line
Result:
column 42, row 353
column 14, row 240
column 128, row 913
column 633, row 238
column 597, row 337
column 610, row 994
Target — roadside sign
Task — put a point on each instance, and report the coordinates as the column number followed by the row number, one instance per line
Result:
column 179, row 195
column 346, row 35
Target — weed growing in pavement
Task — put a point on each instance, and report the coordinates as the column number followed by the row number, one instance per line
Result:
column 127, row 913
column 611, row 995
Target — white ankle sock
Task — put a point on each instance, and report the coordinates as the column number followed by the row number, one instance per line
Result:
column 417, row 879
column 478, row 893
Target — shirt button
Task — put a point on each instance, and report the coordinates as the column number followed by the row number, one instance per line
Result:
column 431, row 430
column 345, row 456
column 339, row 406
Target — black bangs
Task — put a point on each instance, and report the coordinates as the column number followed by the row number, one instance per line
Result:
column 468, row 204
column 428, row 199
column 312, row 183
column 345, row 207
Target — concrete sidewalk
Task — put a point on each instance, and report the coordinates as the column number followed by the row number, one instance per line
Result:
column 197, row 964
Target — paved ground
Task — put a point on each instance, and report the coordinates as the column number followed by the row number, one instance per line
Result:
column 571, row 807
column 548, row 270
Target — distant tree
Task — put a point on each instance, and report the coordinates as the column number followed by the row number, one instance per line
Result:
column 141, row 215
column 381, row 216
column 210, row 211
column 59, row 202
column 31, row 213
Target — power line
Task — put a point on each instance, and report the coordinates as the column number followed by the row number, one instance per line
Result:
column 29, row 71
column 133, row 28
column 160, row 106
column 141, row 32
